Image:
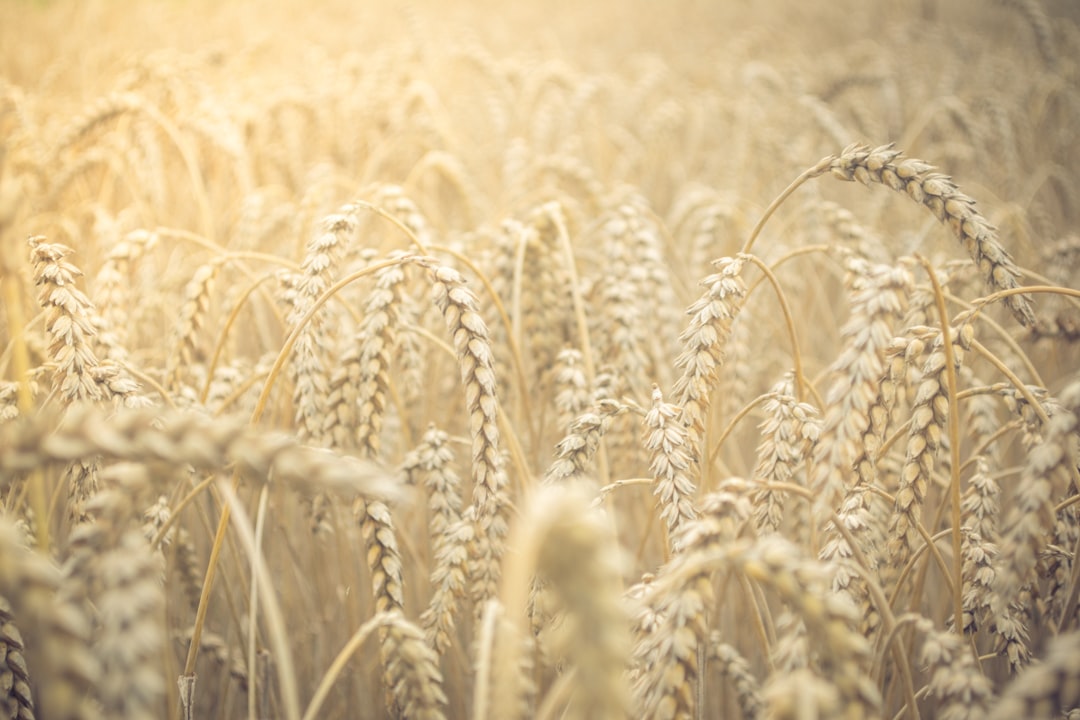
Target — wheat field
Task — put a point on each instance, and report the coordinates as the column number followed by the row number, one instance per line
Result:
column 631, row 359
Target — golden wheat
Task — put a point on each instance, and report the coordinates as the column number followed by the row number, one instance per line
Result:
column 482, row 360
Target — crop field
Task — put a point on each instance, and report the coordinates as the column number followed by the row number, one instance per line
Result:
column 493, row 361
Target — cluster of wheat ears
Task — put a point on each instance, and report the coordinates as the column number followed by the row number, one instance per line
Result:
column 399, row 364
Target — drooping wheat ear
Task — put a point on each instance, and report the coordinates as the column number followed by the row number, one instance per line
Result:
column 1049, row 470
column 703, row 219
column 803, row 693
column 307, row 371
column 1045, row 690
column 956, row 680
column 100, row 112
column 189, row 568
column 574, row 453
column 60, row 653
column 673, row 623
column 788, row 434
column 113, row 296
column 174, row 438
column 937, row 192
column 665, row 438
column 16, row 698
column 981, row 416
column 546, row 311
column 704, row 341
column 734, row 666
column 876, row 295
column 470, row 340
column 902, row 355
column 929, row 417
column 193, row 311
column 654, row 283
column 573, row 552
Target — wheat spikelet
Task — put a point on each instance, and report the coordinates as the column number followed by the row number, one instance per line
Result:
column 570, row 386
column 582, row 441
